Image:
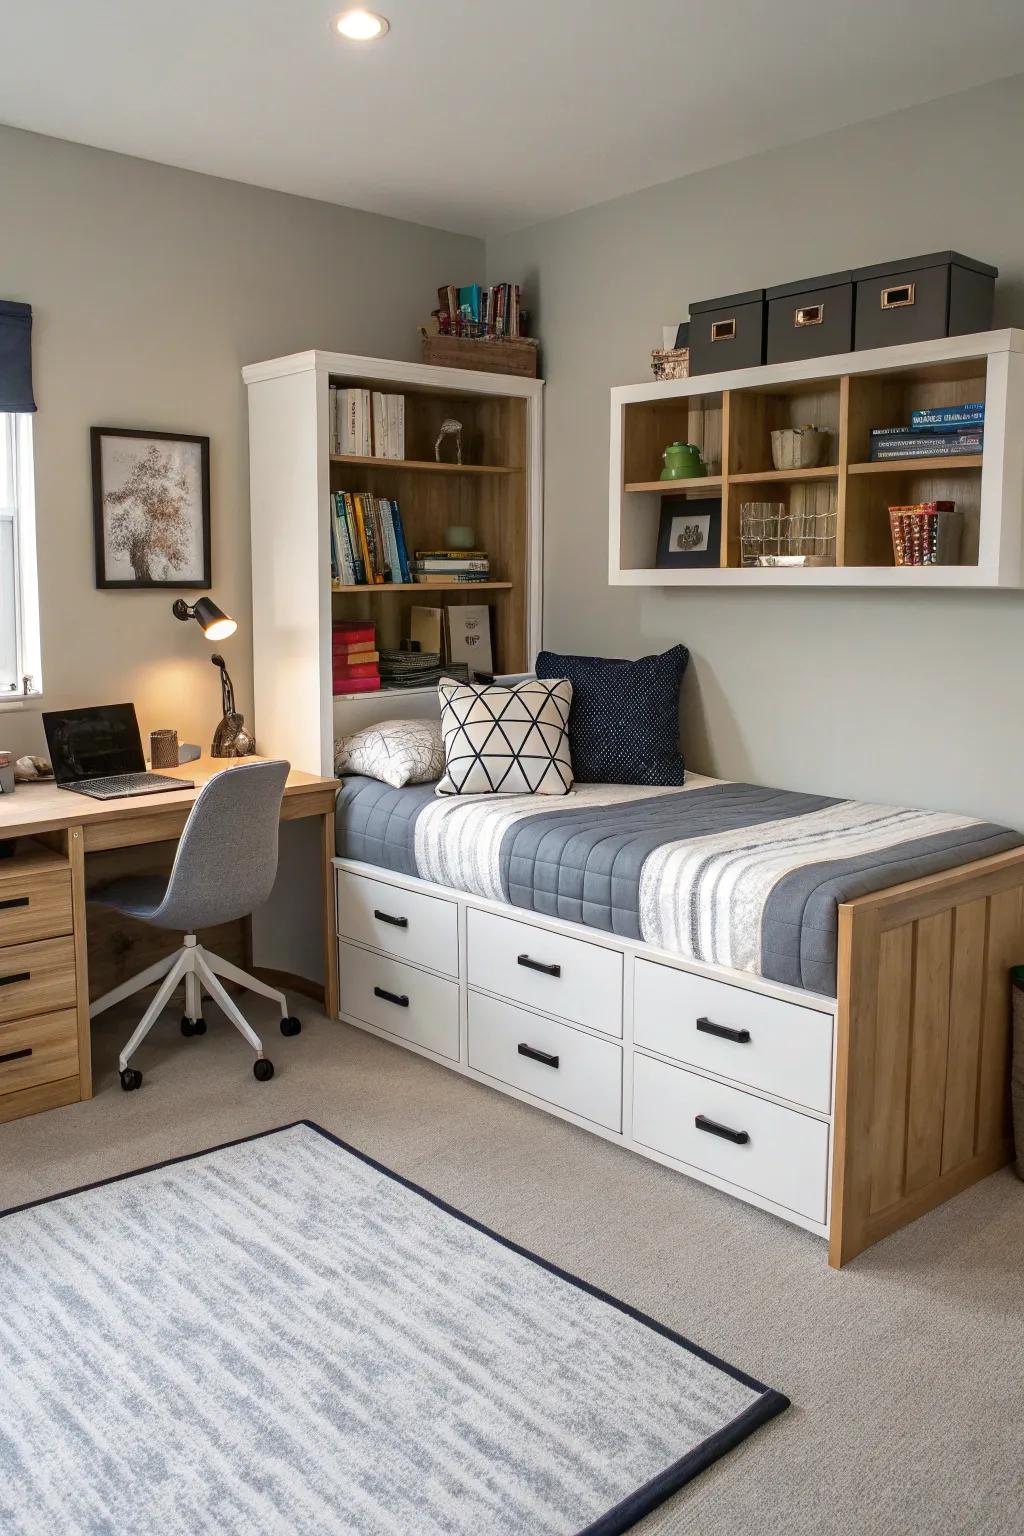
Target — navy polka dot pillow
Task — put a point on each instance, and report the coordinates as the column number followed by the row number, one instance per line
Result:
column 624, row 721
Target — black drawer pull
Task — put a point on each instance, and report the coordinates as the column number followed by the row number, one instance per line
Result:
column 391, row 997
column 385, row 917
column 714, row 1129
column 17, row 1055
column 13, row 901
column 708, row 1027
column 7, row 981
column 538, row 965
column 544, row 1057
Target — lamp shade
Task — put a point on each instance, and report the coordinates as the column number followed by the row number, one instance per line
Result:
column 213, row 621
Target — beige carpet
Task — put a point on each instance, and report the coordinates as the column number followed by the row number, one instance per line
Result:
column 906, row 1370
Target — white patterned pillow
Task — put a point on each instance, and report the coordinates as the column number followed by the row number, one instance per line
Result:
column 506, row 741
column 396, row 751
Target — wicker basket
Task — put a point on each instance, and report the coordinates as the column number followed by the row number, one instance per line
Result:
column 798, row 447
column 670, row 362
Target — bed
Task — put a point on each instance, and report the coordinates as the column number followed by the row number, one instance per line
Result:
column 841, row 962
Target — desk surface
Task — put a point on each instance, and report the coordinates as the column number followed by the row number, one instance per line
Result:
column 43, row 807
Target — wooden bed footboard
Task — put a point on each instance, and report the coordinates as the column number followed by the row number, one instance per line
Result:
column 923, row 1045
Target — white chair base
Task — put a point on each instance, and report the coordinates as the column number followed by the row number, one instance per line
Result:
column 202, row 971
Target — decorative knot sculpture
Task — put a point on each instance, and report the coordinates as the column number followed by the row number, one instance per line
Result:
column 449, row 428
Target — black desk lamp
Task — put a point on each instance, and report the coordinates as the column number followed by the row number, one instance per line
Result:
column 230, row 739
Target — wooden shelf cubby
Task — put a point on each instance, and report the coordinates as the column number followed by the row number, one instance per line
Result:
column 496, row 491
column 731, row 418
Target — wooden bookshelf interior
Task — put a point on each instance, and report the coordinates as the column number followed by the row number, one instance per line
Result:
column 487, row 492
column 732, row 426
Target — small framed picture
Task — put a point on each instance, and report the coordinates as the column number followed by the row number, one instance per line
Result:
column 690, row 532
column 151, row 508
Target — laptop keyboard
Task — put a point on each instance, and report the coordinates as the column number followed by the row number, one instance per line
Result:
column 128, row 784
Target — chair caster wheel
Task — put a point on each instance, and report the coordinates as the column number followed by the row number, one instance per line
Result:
column 290, row 1026
column 190, row 1027
column 131, row 1078
column 263, row 1070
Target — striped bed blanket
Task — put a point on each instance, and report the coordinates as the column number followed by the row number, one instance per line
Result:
column 734, row 874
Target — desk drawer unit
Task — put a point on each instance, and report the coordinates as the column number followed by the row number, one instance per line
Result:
column 553, row 1061
column 779, row 1047
column 399, row 998
column 774, row 1152
column 39, row 1050
column 36, row 978
column 567, row 977
column 407, row 924
column 34, row 906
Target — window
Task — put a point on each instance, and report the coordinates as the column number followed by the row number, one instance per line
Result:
column 19, row 598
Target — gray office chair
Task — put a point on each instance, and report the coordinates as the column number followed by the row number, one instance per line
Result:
column 224, row 868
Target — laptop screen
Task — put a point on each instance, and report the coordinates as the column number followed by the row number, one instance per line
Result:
column 91, row 743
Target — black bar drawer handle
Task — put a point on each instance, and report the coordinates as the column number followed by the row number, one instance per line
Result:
column 538, row 965
column 544, row 1057
column 17, row 1055
column 714, row 1129
column 8, row 981
column 13, row 901
column 709, row 1027
column 386, row 917
column 391, row 997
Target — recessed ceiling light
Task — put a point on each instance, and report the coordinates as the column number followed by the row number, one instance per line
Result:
column 361, row 26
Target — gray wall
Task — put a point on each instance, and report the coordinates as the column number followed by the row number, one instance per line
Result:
column 151, row 288
column 888, row 695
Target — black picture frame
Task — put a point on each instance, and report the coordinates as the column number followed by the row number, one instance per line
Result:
column 192, row 486
column 695, row 509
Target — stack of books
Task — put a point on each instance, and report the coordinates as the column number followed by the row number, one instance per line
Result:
column 926, row 533
column 355, row 660
column 940, row 433
column 438, row 567
column 367, row 423
column 368, row 545
column 480, row 313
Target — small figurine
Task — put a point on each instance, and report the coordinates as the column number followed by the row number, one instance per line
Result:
column 449, row 428
column 230, row 739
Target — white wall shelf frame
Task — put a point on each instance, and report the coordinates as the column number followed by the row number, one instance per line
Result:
column 852, row 386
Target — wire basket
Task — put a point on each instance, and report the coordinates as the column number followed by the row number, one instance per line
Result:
column 771, row 534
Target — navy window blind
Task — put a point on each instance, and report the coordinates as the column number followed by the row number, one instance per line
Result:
column 16, row 357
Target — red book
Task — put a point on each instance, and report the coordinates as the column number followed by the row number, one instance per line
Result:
column 356, row 684
column 352, row 631
column 356, row 648
column 368, row 670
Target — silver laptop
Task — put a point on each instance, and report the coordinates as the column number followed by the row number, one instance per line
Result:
column 98, row 752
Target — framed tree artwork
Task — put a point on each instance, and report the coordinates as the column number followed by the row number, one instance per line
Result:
column 151, row 508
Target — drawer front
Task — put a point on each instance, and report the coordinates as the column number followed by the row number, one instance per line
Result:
column 406, row 1002
column 39, row 1050
column 412, row 926
column 36, row 978
column 567, row 977
column 779, row 1047
column 553, row 1061
column 35, row 907
column 777, row 1153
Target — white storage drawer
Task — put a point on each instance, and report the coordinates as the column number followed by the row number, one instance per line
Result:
column 774, row 1152
column 779, row 1047
column 405, row 1001
column 409, row 924
column 567, row 977
column 551, row 1060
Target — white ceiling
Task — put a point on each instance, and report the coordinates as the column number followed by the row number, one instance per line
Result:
column 482, row 115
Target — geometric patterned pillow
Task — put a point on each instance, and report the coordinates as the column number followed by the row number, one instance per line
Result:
column 506, row 741
column 396, row 751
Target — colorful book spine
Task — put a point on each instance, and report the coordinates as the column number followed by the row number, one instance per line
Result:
column 362, row 669
column 949, row 416
column 367, row 542
column 466, row 578
column 403, row 553
column 351, row 528
column 351, row 631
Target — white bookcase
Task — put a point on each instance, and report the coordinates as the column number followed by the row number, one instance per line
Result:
column 497, row 491
column 730, row 416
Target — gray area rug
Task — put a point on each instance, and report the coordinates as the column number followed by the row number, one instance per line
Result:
column 281, row 1336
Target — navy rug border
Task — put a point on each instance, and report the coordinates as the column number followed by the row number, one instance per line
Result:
column 626, row 1514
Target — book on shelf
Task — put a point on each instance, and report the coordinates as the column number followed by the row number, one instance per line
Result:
column 388, row 413
column 350, row 421
column 353, row 631
column 926, row 533
column 906, row 443
column 356, row 685
column 468, row 630
column 345, row 672
column 480, row 313
column 354, row 657
column 376, row 540
column 463, row 578
column 949, row 416
column 430, row 565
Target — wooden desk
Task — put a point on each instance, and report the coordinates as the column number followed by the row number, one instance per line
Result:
column 45, row 1046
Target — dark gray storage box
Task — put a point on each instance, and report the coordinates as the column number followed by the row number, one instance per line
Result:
column 921, row 298
column 811, row 318
column 727, row 333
